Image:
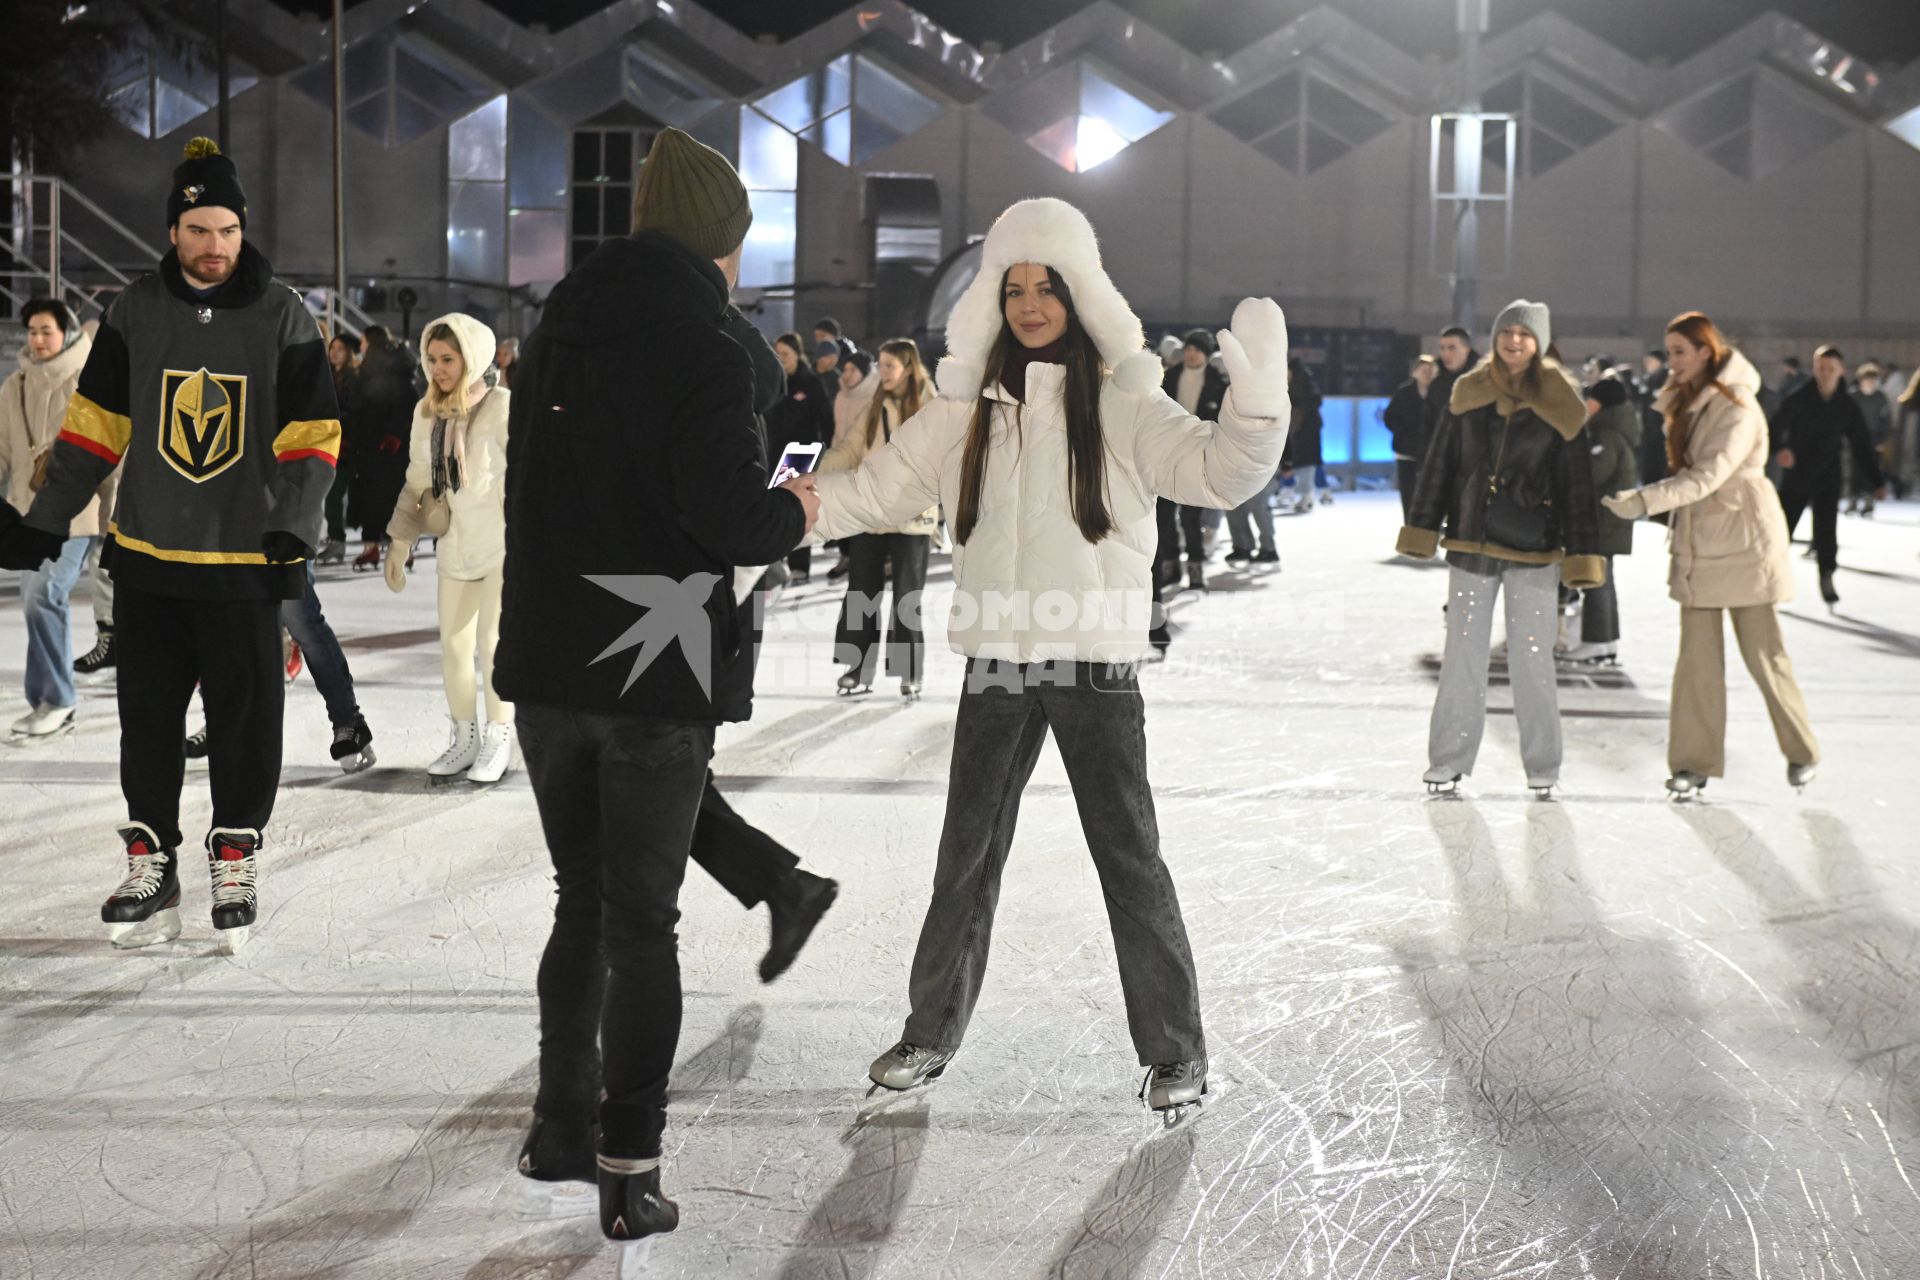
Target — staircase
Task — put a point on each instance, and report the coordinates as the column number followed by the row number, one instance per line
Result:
column 64, row 245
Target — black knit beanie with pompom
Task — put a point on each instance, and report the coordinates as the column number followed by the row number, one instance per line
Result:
column 205, row 178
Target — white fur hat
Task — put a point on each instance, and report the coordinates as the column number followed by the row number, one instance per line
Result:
column 475, row 340
column 1055, row 234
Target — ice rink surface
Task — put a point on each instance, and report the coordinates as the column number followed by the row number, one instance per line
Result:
column 1490, row 1037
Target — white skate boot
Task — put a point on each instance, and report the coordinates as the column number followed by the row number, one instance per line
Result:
column 462, row 750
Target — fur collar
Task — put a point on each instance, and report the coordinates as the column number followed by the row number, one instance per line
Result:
column 1055, row 234
column 1559, row 405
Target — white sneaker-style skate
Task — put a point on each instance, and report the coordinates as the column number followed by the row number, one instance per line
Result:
column 43, row 723
column 146, row 907
column 462, row 750
column 232, row 867
column 495, row 754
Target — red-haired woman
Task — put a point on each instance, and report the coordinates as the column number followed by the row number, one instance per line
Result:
column 1728, row 537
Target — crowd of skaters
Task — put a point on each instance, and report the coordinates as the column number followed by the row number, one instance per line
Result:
column 1525, row 478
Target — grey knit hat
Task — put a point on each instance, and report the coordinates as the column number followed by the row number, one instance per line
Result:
column 688, row 190
column 1531, row 316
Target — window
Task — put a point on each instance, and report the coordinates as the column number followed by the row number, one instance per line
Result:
column 155, row 93
column 1076, row 116
column 1301, row 120
column 396, row 89
column 477, row 194
column 1555, row 122
column 853, row 108
column 1753, row 125
column 605, row 161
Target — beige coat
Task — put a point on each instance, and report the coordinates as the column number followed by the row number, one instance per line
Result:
column 850, row 449
column 1727, row 534
column 33, row 408
column 850, row 407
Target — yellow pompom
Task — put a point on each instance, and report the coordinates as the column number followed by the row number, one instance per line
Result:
column 201, row 148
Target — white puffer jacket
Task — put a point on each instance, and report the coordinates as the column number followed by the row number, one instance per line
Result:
column 475, row 543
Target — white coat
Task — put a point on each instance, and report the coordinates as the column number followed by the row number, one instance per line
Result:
column 475, row 543
column 1028, row 586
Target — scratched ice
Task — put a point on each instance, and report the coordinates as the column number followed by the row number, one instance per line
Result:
column 1480, row 1038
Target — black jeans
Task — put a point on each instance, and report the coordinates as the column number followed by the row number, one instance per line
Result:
column 1407, row 475
column 1600, row 611
column 1099, row 719
column 1175, row 520
column 858, row 634
column 1823, row 495
column 745, row 861
column 231, row 649
column 618, row 798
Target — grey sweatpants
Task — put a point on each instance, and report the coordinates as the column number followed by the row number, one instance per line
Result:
column 1460, row 708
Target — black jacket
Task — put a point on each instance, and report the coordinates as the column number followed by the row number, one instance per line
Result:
column 1213, row 391
column 1614, row 436
column 804, row 414
column 1538, row 463
column 1440, row 394
column 634, row 456
column 1815, row 429
column 1303, row 432
column 1409, row 421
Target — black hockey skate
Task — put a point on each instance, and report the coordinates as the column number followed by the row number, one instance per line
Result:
column 557, row 1162
column 907, row 1066
column 232, row 866
column 352, row 745
column 852, row 685
column 796, row 907
column 1799, row 775
column 146, row 907
column 1685, row 786
column 1542, row 789
column 1175, row 1090
column 196, row 744
column 631, row 1205
column 97, row 664
column 1437, row 785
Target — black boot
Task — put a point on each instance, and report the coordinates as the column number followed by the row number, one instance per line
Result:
column 631, row 1205
column 796, row 907
column 1827, row 592
column 559, row 1149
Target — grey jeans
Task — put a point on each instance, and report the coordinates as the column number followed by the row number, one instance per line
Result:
column 1460, row 708
column 1099, row 719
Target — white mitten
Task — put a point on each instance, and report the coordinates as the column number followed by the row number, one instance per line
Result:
column 1255, row 350
column 396, row 570
column 1627, row 504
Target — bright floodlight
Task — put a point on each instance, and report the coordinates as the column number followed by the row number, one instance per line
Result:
column 1095, row 142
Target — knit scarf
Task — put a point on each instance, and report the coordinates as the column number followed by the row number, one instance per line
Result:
column 449, row 447
column 1013, row 374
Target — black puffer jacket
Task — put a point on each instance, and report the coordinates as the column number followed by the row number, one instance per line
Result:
column 1213, row 390
column 1542, row 457
column 634, row 458
column 1303, row 433
column 1614, row 435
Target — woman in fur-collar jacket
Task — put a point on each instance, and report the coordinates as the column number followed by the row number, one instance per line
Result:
column 456, row 490
column 1728, row 537
column 1507, row 491
column 1047, row 445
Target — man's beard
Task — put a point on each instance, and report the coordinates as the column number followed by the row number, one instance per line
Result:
column 200, row 269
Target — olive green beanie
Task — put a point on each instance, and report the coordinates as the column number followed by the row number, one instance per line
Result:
column 688, row 190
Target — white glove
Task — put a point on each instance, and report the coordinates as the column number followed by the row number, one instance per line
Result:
column 397, row 553
column 1627, row 504
column 1255, row 350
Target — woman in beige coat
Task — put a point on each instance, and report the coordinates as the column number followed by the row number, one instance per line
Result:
column 33, row 408
column 1728, row 538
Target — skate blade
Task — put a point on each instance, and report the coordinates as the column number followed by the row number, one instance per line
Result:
column 634, row 1256
column 354, row 764
column 161, row 926
column 553, row 1201
column 232, row 941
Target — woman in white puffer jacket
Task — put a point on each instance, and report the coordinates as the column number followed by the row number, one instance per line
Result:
column 1048, row 445
column 457, row 473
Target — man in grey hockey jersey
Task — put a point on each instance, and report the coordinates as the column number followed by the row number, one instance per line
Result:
column 208, row 385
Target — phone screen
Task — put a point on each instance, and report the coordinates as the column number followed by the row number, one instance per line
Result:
column 796, row 460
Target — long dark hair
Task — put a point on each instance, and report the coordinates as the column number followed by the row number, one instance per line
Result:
column 1086, row 444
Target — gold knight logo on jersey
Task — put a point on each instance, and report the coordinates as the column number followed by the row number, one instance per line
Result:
column 203, row 421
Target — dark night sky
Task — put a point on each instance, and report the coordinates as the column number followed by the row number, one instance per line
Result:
column 1882, row 31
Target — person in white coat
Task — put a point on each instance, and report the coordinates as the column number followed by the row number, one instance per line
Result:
column 33, row 407
column 1048, row 444
column 456, row 490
